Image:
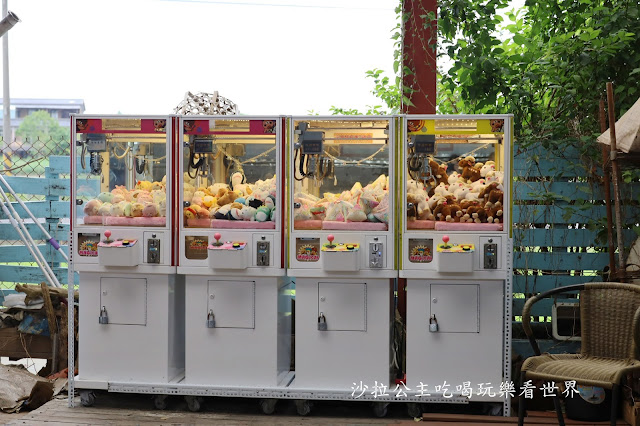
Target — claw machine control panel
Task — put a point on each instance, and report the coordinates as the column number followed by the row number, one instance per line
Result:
column 231, row 244
column 341, row 250
column 456, row 249
column 122, row 198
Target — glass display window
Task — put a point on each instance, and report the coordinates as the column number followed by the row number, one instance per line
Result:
column 121, row 172
column 340, row 171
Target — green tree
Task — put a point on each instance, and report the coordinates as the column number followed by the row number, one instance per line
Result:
column 43, row 134
column 546, row 63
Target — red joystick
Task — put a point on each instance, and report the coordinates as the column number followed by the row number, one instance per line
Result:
column 445, row 239
column 107, row 234
column 330, row 237
column 217, row 237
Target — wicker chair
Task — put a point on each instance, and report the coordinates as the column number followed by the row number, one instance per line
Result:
column 610, row 330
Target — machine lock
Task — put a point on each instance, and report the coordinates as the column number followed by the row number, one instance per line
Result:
column 211, row 319
column 433, row 324
column 103, row 318
column 322, row 322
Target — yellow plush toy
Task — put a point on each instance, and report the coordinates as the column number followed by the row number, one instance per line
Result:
column 226, row 197
column 136, row 209
column 209, row 201
column 144, row 185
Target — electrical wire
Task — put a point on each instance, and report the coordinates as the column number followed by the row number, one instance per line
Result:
column 120, row 157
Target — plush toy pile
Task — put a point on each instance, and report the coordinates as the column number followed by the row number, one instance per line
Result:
column 238, row 201
column 359, row 204
column 472, row 195
column 147, row 199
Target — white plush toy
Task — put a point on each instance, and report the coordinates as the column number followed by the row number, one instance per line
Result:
column 238, row 184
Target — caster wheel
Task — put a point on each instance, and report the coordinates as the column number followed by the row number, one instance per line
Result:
column 380, row 409
column 194, row 403
column 414, row 409
column 303, row 407
column 160, row 402
column 268, row 406
column 87, row 398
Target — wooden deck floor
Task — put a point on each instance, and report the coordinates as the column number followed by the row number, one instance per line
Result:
column 129, row 409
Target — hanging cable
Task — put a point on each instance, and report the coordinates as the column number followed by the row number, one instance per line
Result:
column 84, row 152
column 192, row 163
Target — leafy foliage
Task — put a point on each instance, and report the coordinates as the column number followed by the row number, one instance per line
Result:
column 547, row 63
column 44, row 133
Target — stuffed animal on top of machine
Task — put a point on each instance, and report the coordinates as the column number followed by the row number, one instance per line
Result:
column 146, row 199
column 472, row 195
column 235, row 201
column 359, row 204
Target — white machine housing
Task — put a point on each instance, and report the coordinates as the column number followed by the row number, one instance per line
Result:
column 343, row 296
column 131, row 315
column 238, row 301
column 458, row 274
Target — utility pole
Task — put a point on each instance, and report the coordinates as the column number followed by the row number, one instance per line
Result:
column 8, row 21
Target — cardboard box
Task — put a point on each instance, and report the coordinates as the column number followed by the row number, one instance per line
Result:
column 631, row 413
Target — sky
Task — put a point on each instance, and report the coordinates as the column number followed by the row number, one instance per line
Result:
column 142, row 56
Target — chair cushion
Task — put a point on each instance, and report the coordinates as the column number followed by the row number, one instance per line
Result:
column 585, row 370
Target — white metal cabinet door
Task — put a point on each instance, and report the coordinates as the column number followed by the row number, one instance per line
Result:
column 456, row 307
column 344, row 305
column 232, row 303
column 125, row 300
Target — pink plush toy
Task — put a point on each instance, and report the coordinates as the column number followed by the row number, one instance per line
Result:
column 150, row 210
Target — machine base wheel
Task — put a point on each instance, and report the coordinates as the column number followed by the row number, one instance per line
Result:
column 380, row 409
column 160, row 402
column 87, row 398
column 303, row 407
column 268, row 406
column 194, row 403
column 414, row 409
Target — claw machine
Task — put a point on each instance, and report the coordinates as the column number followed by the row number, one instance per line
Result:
column 456, row 253
column 342, row 249
column 238, row 303
column 131, row 311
